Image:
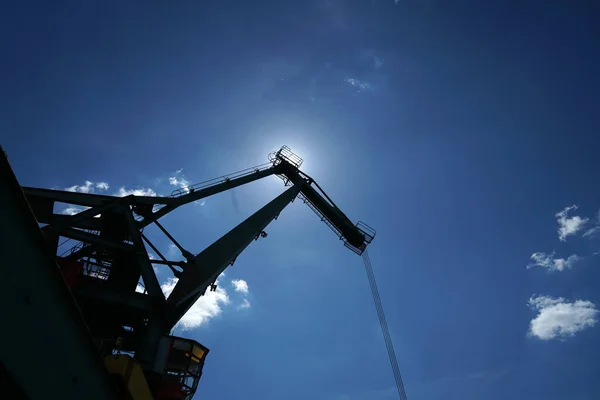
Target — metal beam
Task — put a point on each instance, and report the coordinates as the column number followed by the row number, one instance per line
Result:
column 188, row 256
column 89, row 238
column 83, row 220
column 51, row 238
column 101, row 292
column 163, row 259
column 92, row 224
column 154, row 330
column 181, row 264
column 335, row 216
column 81, row 199
column 42, row 196
column 85, row 251
column 213, row 260
column 43, row 209
column 325, row 207
column 209, row 191
column 172, row 202
column 150, row 281
column 93, row 211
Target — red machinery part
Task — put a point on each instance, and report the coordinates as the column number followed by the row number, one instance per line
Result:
column 170, row 391
column 70, row 269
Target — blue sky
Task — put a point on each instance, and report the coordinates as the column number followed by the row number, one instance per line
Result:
column 461, row 131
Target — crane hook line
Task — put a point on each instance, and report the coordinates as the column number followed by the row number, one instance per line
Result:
column 384, row 326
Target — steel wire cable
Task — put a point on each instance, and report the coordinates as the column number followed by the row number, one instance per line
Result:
column 384, row 326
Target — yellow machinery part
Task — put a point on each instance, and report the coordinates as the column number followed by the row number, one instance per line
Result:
column 132, row 375
column 198, row 352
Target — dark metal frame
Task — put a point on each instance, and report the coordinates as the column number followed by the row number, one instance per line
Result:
column 40, row 318
column 110, row 232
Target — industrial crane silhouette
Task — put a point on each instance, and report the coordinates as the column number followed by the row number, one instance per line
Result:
column 104, row 268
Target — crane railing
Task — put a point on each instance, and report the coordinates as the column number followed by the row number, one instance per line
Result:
column 285, row 154
column 366, row 230
column 215, row 181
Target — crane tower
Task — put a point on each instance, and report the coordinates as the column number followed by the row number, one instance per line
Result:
column 80, row 309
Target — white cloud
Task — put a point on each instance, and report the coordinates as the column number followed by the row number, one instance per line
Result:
column 87, row 187
column 558, row 318
column 568, row 226
column 591, row 232
column 358, row 84
column 179, row 180
column 546, row 260
column 594, row 230
column 72, row 210
column 240, row 285
column 245, row 304
column 139, row 288
column 205, row 308
column 378, row 62
column 136, row 192
column 172, row 250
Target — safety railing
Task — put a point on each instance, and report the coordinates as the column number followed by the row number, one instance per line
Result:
column 285, row 153
column 285, row 179
column 275, row 158
column 366, row 230
column 70, row 250
column 222, row 179
column 99, row 269
column 369, row 234
column 324, row 219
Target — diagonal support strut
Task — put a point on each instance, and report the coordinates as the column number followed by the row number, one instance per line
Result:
column 211, row 262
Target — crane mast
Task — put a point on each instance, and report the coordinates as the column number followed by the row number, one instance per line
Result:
column 103, row 269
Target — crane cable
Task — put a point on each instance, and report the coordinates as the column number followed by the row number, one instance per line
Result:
column 384, row 327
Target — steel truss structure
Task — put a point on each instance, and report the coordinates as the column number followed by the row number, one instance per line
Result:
column 111, row 256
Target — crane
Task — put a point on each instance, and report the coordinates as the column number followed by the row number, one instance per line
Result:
column 130, row 330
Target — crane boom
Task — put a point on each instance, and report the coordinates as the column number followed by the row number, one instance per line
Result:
column 200, row 191
column 209, row 264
